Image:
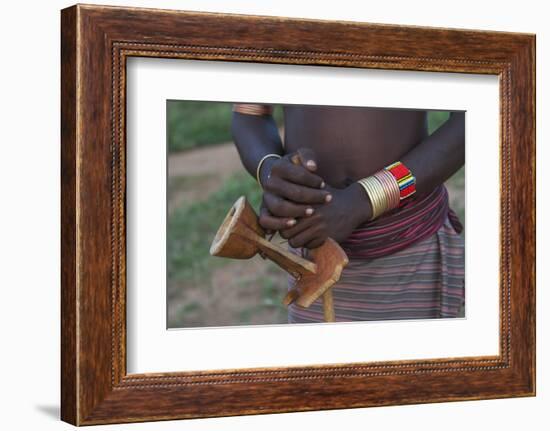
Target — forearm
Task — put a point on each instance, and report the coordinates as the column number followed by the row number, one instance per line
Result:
column 255, row 136
column 431, row 162
column 438, row 156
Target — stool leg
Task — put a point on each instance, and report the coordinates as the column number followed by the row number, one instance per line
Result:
column 328, row 306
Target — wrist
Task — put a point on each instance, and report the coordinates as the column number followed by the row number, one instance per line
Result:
column 362, row 208
column 265, row 170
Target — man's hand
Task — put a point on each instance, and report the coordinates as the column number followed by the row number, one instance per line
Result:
column 290, row 191
column 349, row 208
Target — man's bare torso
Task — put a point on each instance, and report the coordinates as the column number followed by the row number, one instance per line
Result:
column 351, row 143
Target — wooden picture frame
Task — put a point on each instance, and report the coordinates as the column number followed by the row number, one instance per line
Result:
column 95, row 43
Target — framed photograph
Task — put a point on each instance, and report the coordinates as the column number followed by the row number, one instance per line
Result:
column 265, row 214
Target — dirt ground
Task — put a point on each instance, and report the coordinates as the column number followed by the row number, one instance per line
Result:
column 211, row 165
column 236, row 292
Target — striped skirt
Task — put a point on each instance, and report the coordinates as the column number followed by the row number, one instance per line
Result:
column 424, row 280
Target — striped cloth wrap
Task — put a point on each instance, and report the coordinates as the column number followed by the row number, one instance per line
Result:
column 417, row 218
column 406, row 264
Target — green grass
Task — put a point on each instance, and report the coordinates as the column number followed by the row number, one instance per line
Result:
column 191, row 228
column 194, row 124
column 436, row 120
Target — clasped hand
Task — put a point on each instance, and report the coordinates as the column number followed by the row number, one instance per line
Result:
column 303, row 208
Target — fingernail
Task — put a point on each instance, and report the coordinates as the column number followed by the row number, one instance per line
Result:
column 311, row 164
column 323, row 185
column 309, row 211
column 328, row 198
column 291, row 222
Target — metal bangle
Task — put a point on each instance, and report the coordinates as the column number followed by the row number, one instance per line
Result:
column 391, row 188
column 262, row 160
column 376, row 195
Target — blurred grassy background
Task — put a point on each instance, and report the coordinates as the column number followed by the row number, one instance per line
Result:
column 196, row 124
column 205, row 179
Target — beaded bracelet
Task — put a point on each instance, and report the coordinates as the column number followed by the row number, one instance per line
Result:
column 404, row 178
column 388, row 187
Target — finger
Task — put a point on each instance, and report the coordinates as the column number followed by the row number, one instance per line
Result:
column 272, row 223
column 308, row 159
column 296, row 174
column 317, row 242
column 305, row 237
column 264, row 212
column 280, row 207
column 296, row 193
column 301, row 225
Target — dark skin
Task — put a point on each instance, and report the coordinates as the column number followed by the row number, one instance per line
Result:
column 320, row 198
